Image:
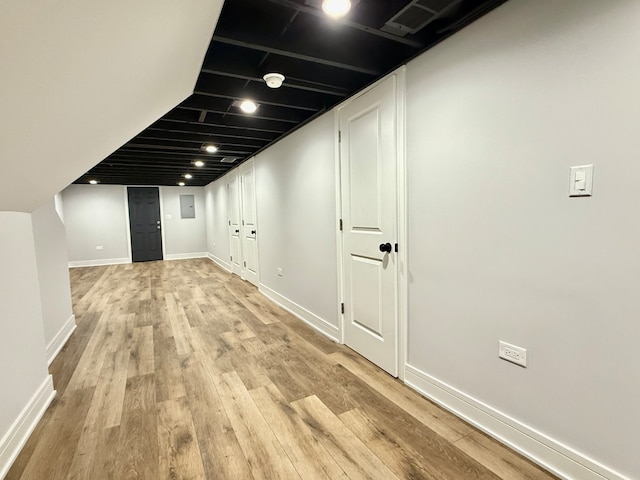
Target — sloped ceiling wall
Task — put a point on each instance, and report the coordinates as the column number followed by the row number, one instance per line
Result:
column 78, row 78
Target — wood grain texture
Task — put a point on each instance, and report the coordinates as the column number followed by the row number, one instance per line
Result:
column 179, row 370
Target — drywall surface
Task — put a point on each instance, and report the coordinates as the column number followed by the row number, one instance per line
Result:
column 216, row 200
column 95, row 216
column 53, row 269
column 496, row 116
column 183, row 236
column 23, row 366
column 295, row 192
column 82, row 77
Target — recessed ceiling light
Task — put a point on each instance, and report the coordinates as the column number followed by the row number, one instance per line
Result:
column 336, row 8
column 274, row 80
column 188, row 176
column 210, row 148
column 181, row 184
column 93, row 182
column 199, row 163
column 247, row 106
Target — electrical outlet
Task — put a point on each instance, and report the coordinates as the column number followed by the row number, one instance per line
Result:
column 99, row 247
column 513, row 353
column 279, row 270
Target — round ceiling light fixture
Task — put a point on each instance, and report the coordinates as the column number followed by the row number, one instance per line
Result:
column 181, row 184
column 247, row 106
column 199, row 163
column 93, row 182
column 210, row 148
column 336, row 8
column 274, row 80
column 188, row 176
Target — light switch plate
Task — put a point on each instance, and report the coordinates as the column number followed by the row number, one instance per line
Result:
column 581, row 181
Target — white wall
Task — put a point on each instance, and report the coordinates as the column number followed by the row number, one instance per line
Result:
column 53, row 276
column 216, row 200
column 26, row 386
column 95, row 215
column 64, row 106
column 183, row 236
column 497, row 251
column 295, row 196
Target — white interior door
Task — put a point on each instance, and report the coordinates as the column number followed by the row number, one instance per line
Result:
column 235, row 244
column 249, row 223
column 368, row 157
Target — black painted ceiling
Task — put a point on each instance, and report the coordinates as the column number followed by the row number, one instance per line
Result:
column 324, row 61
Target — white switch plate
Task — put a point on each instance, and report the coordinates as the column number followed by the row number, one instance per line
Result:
column 512, row 353
column 581, row 181
column 99, row 247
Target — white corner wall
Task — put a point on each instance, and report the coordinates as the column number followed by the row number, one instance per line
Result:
column 96, row 215
column 216, row 200
column 496, row 115
column 27, row 388
column 295, row 196
column 184, row 237
column 53, row 277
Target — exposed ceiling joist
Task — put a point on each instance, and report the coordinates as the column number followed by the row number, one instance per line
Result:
column 298, row 56
column 343, row 21
column 297, row 84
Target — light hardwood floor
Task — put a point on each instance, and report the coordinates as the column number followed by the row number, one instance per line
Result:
column 179, row 370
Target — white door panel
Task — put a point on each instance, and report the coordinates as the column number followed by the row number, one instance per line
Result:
column 249, row 224
column 368, row 157
column 235, row 244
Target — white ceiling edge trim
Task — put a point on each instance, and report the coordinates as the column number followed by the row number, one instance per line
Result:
column 75, row 69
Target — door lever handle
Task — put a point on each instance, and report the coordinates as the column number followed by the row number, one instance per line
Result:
column 385, row 247
column 253, row 232
column 237, row 231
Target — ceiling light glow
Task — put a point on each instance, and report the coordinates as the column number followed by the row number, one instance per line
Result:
column 211, row 149
column 188, row 176
column 181, row 184
column 336, row 8
column 93, row 182
column 199, row 163
column 247, row 106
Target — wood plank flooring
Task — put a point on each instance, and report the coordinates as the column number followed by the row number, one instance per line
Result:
column 179, row 370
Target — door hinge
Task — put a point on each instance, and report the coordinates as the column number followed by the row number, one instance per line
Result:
column 231, row 258
column 342, row 307
column 245, row 263
column 340, row 224
column 242, row 222
column 396, row 248
column 229, row 222
column 339, row 136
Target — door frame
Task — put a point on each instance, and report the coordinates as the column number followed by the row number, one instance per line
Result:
column 242, row 168
column 401, row 202
column 128, row 218
column 238, row 178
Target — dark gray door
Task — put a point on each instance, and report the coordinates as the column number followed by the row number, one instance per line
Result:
column 144, row 219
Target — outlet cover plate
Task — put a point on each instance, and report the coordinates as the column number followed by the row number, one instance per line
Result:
column 513, row 353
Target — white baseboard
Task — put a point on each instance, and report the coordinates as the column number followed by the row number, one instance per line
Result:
column 302, row 313
column 21, row 429
column 185, row 256
column 547, row 452
column 59, row 341
column 219, row 262
column 99, row 263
